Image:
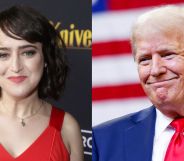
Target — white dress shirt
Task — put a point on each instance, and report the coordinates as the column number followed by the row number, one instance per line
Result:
column 163, row 135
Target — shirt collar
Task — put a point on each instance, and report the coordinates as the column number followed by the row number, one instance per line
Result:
column 162, row 122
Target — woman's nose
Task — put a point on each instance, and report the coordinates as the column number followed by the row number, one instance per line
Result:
column 16, row 64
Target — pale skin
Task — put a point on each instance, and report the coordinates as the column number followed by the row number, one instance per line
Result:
column 20, row 100
column 159, row 55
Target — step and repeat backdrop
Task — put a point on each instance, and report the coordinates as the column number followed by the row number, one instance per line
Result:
column 72, row 18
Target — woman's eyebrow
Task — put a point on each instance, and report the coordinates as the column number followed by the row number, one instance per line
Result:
column 20, row 47
column 27, row 46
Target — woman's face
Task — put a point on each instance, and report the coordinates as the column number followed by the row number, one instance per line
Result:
column 21, row 66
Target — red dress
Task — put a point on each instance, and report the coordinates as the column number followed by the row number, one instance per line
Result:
column 48, row 146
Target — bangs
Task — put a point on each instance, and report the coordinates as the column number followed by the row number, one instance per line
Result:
column 18, row 24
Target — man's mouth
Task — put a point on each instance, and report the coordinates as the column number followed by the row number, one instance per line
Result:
column 161, row 81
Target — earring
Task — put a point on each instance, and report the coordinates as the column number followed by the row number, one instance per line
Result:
column 45, row 65
column 46, row 68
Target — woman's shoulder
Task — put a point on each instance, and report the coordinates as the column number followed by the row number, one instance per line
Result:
column 71, row 134
column 70, row 127
column 70, row 123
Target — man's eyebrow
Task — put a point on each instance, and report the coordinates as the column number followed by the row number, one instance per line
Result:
column 4, row 48
column 142, row 54
column 167, row 48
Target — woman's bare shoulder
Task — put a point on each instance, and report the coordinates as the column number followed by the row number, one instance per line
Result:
column 72, row 138
column 70, row 124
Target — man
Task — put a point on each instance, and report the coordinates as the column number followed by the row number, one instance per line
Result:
column 158, row 49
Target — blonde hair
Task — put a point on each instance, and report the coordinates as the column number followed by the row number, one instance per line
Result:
column 162, row 19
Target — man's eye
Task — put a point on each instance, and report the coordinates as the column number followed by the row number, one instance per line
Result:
column 4, row 56
column 29, row 53
column 169, row 55
column 144, row 60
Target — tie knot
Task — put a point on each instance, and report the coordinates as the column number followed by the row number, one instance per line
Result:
column 178, row 124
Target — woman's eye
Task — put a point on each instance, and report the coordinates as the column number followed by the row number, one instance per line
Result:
column 29, row 53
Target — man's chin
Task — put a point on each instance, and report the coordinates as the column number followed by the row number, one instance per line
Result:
column 160, row 99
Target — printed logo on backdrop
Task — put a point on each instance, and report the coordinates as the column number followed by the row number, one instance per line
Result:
column 87, row 141
column 73, row 36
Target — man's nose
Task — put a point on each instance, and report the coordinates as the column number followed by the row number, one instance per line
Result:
column 158, row 66
column 16, row 64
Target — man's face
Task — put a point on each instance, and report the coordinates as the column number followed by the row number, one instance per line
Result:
column 160, row 60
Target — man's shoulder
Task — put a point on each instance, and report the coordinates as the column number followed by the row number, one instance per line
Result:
column 123, row 122
column 110, row 138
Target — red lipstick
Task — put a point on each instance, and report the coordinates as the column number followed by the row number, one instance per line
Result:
column 17, row 79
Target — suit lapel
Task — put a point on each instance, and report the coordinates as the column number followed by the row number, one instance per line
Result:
column 139, row 137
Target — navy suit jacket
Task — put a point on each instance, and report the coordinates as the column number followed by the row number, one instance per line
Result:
column 129, row 138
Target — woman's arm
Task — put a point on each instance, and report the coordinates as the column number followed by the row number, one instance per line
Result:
column 72, row 138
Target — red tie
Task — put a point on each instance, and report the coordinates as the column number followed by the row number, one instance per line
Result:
column 175, row 150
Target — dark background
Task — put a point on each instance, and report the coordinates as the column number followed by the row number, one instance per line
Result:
column 77, row 96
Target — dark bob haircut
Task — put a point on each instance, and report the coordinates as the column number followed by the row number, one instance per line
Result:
column 21, row 22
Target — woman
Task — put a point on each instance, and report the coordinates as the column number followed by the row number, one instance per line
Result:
column 33, row 67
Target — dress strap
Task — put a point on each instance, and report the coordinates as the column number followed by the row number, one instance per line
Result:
column 56, row 118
